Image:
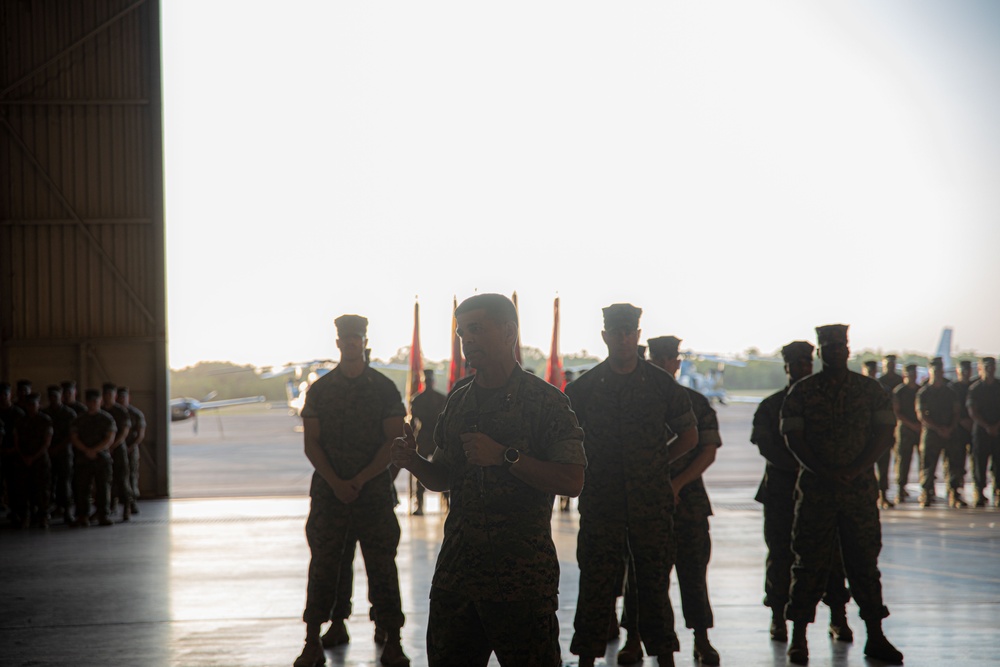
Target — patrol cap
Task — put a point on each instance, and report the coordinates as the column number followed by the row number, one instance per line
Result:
column 965, row 364
column 830, row 334
column 351, row 325
column 871, row 364
column 33, row 398
column 122, row 391
column 890, row 357
column 937, row 362
column 911, row 367
column 53, row 389
column 664, row 346
column 68, row 384
column 641, row 349
column 23, row 384
column 989, row 360
column 91, row 394
column 797, row 350
column 429, row 374
column 621, row 315
column 109, row 386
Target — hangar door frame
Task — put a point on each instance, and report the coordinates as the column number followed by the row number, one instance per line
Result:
column 82, row 250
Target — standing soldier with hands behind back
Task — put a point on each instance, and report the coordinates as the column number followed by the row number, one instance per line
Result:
column 984, row 407
column 837, row 423
column 938, row 412
column 424, row 410
column 92, row 434
column 349, row 420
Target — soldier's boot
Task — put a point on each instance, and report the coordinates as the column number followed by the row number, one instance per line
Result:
column 996, row 499
column 879, row 648
column 68, row 517
column 336, row 635
column 381, row 635
column 312, row 653
column 979, row 500
column 798, row 650
column 134, row 506
column 105, row 521
column 779, row 631
column 586, row 661
column 839, row 629
column 955, row 499
column 631, row 652
column 902, row 494
column 704, row 652
column 665, row 660
column 884, row 502
column 392, row 654
column 926, row 499
column 126, row 512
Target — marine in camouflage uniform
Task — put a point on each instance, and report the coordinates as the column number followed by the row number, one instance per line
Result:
column 61, row 451
column 938, row 411
column 777, row 494
column 33, row 436
column 121, row 491
column 349, row 419
column 882, row 465
column 837, row 423
column 629, row 410
column 691, row 528
column 133, row 441
column 907, row 435
column 505, row 445
column 963, row 432
column 10, row 416
column 983, row 404
column 424, row 410
column 92, row 434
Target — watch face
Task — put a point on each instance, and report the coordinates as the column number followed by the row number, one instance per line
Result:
column 511, row 455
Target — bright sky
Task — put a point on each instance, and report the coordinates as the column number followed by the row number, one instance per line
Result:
column 741, row 171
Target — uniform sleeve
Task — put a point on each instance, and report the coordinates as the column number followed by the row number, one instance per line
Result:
column 708, row 425
column 883, row 414
column 680, row 416
column 392, row 400
column 792, row 412
column 562, row 437
column 313, row 395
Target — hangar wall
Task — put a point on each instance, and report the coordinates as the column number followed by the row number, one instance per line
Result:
column 82, row 259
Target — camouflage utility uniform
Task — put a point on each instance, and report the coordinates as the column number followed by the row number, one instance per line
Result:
column 940, row 404
column 34, row 480
column 132, row 442
column 777, row 494
column 889, row 383
column 837, row 420
column 121, row 490
column 425, row 408
column 351, row 412
column 498, row 562
column 905, row 398
column 61, row 453
column 92, row 429
column 985, row 398
column 627, row 503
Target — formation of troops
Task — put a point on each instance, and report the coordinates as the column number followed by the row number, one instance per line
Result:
column 76, row 460
column 632, row 444
column 625, row 437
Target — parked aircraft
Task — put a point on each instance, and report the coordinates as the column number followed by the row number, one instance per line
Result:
column 182, row 409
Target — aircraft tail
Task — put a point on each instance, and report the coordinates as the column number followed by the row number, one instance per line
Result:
column 944, row 351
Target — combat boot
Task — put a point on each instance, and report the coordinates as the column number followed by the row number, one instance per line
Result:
column 979, row 500
column 312, row 654
column 392, row 654
column 879, row 648
column 631, row 652
column 779, row 631
column 704, row 652
column 955, row 500
column 586, row 661
column 926, row 499
column 839, row 629
column 884, row 502
column 665, row 660
column 381, row 635
column 336, row 635
column 902, row 494
column 798, row 650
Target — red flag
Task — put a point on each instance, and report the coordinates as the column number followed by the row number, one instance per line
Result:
column 517, row 345
column 415, row 381
column 457, row 368
column 553, row 368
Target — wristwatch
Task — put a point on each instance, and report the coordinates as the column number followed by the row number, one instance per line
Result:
column 510, row 457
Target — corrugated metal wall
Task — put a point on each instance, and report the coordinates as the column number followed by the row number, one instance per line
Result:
column 82, row 286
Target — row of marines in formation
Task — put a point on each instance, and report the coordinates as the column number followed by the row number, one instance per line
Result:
column 632, row 443
column 955, row 421
column 58, row 458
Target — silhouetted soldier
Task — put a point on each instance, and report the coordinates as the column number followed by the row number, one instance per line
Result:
column 984, row 407
column 61, row 452
column 69, row 398
column 963, row 433
column 565, row 501
column 10, row 416
column 349, row 419
column 890, row 379
column 33, row 436
column 92, row 434
column 882, row 465
column 691, row 511
column 506, row 443
column 630, row 411
column 777, row 494
column 23, row 390
column 121, row 490
column 136, row 434
column 907, row 436
column 938, row 412
column 837, row 423
column 424, row 411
